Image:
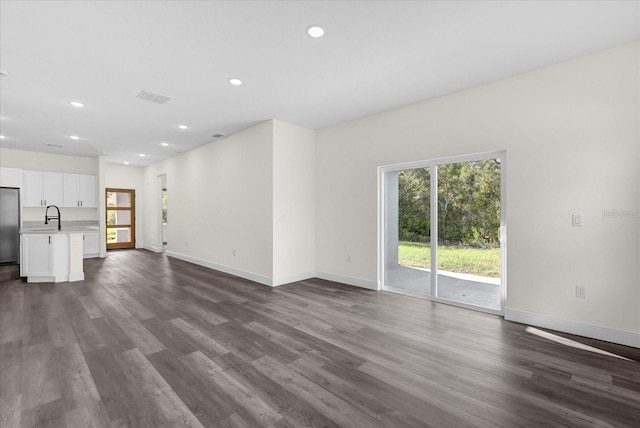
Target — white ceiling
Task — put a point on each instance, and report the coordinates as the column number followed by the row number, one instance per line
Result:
column 376, row 55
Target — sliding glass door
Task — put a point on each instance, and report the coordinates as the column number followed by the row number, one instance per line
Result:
column 408, row 231
column 443, row 230
column 469, row 213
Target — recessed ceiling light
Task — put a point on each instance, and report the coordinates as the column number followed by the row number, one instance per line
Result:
column 76, row 104
column 74, row 137
column 142, row 155
column 315, row 31
column 2, row 137
column 182, row 126
column 235, row 82
column 165, row 144
column 126, row 163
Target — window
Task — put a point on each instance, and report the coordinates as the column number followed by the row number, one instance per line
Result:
column 164, row 206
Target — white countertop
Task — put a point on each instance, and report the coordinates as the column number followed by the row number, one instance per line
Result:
column 49, row 229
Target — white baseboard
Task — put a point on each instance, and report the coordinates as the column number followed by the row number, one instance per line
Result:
column 349, row 280
column 622, row 337
column 223, row 268
column 288, row 279
column 76, row 276
column 152, row 248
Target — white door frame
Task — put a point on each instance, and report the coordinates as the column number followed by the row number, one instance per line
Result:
column 433, row 164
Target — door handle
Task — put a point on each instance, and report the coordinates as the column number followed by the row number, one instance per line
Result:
column 49, row 239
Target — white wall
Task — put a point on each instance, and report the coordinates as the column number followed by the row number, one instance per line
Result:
column 293, row 203
column 571, row 132
column 37, row 161
column 220, row 200
column 126, row 177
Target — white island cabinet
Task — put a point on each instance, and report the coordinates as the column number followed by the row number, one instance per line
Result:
column 91, row 247
column 51, row 256
column 37, row 255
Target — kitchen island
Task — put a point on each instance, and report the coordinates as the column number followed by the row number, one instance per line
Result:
column 51, row 255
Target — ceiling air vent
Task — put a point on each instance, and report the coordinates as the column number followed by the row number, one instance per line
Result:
column 153, row 97
column 217, row 135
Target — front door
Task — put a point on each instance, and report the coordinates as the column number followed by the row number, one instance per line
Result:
column 121, row 218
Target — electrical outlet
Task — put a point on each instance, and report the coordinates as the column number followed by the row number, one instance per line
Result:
column 581, row 292
column 234, row 253
column 576, row 220
column 186, row 244
column 348, row 259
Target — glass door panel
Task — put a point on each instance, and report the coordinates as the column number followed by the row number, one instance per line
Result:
column 120, row 219
column 408, row 231
column 469, row 218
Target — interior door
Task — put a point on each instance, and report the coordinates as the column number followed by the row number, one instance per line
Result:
column 121, row 218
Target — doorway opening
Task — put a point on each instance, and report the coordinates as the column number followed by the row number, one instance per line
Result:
column 121, row 218
column 164, row 207
column 443, row 225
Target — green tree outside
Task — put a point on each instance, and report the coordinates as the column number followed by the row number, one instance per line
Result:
column 468, row 213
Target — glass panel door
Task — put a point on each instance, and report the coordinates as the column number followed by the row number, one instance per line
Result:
column 120, row 220
column 441, row 230
column 408, row 231
column 469, row 218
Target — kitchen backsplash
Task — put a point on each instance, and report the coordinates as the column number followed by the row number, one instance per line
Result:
column 68, row 214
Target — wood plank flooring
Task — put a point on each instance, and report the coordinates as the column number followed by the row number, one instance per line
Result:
column 150, row 341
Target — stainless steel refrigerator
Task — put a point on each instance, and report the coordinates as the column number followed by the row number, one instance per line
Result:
column 9, row 225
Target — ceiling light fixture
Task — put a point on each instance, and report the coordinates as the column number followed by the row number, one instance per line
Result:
column 126, row 163
column 182, row 126
column 165, row 144
column 142, row 155
column 74, row 137
column 2, row 137
column 316, row 31
column 235, row 82
column 76, row 104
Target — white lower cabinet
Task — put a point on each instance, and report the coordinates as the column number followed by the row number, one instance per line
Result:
column 91, row 247
column 37, row 259
column 51, row 257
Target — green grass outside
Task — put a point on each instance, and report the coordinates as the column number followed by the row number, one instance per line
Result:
column 476, row 261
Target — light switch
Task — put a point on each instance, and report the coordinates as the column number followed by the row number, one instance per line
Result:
column 576, row 220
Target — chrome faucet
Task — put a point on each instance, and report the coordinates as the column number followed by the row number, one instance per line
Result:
column 47, row 217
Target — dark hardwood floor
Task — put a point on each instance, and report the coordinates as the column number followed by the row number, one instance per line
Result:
column 150, row 341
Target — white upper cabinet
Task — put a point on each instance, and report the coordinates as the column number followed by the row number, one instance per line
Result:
column 42, row 188
column 71, row 190
column 10, row 177
column 80, row 190
column 88, row 186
